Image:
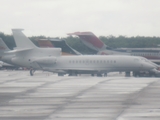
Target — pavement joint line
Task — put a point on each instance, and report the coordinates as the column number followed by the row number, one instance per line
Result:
column 47, row 83
column 6, row 81
column 70, row 100
column 131, row 100
column 33, row 89
column 28, row 91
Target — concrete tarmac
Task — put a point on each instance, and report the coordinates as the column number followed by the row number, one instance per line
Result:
column 46, row 96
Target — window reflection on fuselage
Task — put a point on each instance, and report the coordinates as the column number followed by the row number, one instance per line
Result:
column 92, row 61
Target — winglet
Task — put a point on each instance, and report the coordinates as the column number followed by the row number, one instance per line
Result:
column 21, row 40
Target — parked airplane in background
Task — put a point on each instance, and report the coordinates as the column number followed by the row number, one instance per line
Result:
column 1, row 64
column 7, row 64
column 58, row 43
column 4, row 65
column 50, row 59
column 93, row 42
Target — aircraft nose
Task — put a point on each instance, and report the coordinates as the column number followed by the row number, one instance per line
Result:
column 148, row 66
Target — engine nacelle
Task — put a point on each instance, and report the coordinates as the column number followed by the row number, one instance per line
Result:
column 7, row 58
column 46, row 60
column 41, row 52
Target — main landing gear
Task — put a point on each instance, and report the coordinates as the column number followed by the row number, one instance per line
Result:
column 144, row 74
column 105, row 74
column 32, row 72
column 60, row 74
column 128, row 74
column 100, row 74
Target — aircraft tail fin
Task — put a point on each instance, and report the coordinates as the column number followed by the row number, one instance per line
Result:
column 3, row 47
column 21, row 40
column 45, row 43
column 90, row 40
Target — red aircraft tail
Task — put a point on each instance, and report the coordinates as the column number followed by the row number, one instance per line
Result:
column 90, row 40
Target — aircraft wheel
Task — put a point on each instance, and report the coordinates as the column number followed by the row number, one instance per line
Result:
column 99, row 75
column 127, row 74
column 152, row 75
column 92, row 74
column 135, row 74
column 105, row 74
column 72, row 73
column 32, row 72
column 60, row 74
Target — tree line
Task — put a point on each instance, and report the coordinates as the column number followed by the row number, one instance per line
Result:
column 111, row 41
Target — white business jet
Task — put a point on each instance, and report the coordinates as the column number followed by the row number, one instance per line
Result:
column 49, row 59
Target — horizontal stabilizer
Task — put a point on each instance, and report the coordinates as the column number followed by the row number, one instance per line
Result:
column 19, row 50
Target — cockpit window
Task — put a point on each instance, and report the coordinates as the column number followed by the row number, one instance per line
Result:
column 144, row 59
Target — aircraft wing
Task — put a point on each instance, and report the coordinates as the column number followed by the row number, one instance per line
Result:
column 86, row 69
column 66, row 69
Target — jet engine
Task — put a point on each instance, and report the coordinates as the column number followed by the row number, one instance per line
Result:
column 43, row 63
column 46, row 60
column 7, row 58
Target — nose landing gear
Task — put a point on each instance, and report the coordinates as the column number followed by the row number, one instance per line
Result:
column 128, row 74
column 32, row 72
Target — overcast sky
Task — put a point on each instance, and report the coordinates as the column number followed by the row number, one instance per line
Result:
column 56, row 18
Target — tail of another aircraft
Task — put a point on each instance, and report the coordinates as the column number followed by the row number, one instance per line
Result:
column 21, row 40
column 3, row 47
column 45, row 44
column 90, row 40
